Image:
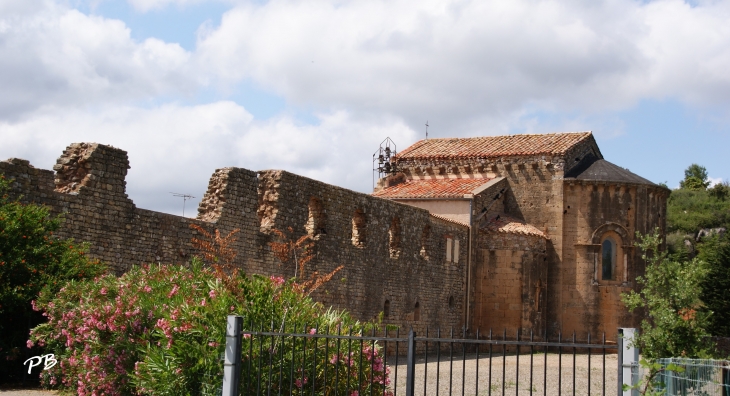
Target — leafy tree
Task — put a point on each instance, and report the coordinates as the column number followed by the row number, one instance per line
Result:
column 688, row 211
column 695, row 178
column 32, row 260
column 720, row 191
column 676, row 324
column 715, row 252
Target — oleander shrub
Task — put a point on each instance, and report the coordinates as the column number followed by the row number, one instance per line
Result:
column 160, row 330
column 32, row 259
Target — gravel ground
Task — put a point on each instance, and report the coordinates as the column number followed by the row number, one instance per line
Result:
column 554, row 384
column 27, row 392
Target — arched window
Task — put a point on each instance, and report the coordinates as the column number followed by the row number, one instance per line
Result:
column 386, row 308
column 315, row 221
column 608, row 259
column 417, row 312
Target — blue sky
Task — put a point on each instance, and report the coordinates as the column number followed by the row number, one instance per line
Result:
column 188, row 86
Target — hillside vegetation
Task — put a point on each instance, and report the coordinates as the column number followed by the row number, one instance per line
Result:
column 696, row 207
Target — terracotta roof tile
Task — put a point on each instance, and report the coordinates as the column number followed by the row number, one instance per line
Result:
column 494, row 146
column 449, row 220
column 432, row 188
column 510, row 225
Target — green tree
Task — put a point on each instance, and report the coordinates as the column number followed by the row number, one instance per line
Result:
column 32, row 259
column 715, row 251
column 695, row 178
column 688, row 211
column 675, row 324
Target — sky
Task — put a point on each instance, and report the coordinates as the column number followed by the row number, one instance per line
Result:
column 314, row 86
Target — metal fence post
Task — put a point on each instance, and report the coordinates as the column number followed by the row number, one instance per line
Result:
column 232, row 357
column 411, row 364
column 628, row 359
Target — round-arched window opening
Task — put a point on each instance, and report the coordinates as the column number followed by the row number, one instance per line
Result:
column 608, row 259
column 417, row 312
column 451, row 301
column 386, row 308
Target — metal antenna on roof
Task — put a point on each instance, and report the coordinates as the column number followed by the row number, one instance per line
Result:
column 426, row 129
column 185, row 197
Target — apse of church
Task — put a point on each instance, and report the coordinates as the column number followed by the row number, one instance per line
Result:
column 552, row 226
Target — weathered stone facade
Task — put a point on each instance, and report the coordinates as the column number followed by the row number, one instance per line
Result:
column 530, row 232
column 540, row 269
column 403, row 267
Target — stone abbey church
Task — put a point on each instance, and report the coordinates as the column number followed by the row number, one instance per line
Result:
column 530, row 232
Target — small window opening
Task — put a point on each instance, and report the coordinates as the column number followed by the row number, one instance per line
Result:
column 451, row 301
column 358, row 228
column 456, row 251
column 417, row 312
column 386, row 308
column 394, row 238
column 315, row 222
column 448, row 249
column 608, row 259
column 425, row 236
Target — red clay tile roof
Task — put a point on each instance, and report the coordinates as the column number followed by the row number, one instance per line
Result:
column 432, row 188
column 510, row 225
column 494, row 146
column 440, row 217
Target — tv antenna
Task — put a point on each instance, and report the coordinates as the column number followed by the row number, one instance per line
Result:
column 426, row 129
column 185, row 197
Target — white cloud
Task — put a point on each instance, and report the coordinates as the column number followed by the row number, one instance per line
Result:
column 174, row 148
column 461, row 60
column 366, row 69
column 57, row 56
column 714, row 180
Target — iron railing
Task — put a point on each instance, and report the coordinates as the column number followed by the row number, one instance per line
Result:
column 312, row 361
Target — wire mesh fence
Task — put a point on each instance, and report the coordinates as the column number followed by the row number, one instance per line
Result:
column 700, row 377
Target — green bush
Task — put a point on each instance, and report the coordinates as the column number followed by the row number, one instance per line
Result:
column 160, row 330
column 690, row 210
column 32, row 260
column 675, row 323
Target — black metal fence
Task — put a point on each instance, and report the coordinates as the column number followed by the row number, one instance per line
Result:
column 263, row 360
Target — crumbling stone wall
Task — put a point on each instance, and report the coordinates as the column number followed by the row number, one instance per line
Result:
column 418, row 285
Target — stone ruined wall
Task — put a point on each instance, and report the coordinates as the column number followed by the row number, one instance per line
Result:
column 592, row 212
column 89, row 190
column 357, row 230
column 511, row 278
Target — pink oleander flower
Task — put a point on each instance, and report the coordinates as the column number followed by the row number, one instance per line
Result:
column 355, row 393
column 147, row 289
column 247, row 336
column 211, row 294
column 29, row 344
column 174, row 290
column 313, row 331
column 278, row 280
column 202, row 303
column 299, row 383
column 103, row 290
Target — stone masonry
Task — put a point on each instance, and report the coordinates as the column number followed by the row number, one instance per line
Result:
column 402, row 268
